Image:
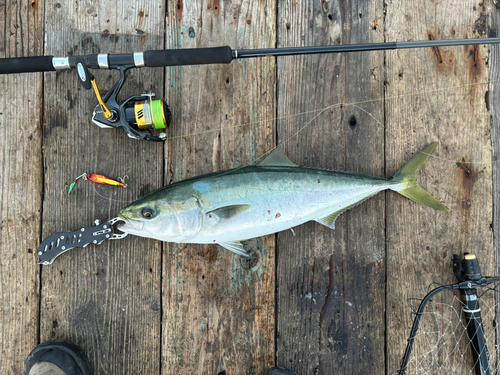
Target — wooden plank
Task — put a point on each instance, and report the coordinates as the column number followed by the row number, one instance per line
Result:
column 105, row 299
column 21, row 169
column 493, row 96
column 330, row 284
column 218, row 309
column 449, row 108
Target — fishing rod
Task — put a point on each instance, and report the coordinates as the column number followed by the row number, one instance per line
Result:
column 144, row 117
column 468, row 270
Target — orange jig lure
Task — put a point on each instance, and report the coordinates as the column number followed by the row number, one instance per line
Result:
column 98, row 179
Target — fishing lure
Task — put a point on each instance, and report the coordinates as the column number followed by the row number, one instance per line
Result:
column 98, row 179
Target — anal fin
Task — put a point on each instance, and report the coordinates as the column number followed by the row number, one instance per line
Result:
column 236, row 247
column 329, row 220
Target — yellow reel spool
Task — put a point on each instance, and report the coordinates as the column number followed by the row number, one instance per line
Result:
column 150, row 115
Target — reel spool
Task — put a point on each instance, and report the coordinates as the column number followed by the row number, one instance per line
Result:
column 149, row 115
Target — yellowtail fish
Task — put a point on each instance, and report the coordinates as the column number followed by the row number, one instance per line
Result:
column 228, row 207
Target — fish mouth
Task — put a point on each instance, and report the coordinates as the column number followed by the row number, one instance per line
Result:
column 129, row 225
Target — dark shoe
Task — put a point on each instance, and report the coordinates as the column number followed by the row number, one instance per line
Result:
column 279, row 371
column 57, row 357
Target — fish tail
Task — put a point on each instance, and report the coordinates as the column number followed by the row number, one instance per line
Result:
column 406, row 183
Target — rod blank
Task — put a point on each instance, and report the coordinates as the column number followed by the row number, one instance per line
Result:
column 360, row 47
column 214, row 55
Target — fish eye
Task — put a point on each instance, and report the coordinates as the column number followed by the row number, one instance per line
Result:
column 148, row 213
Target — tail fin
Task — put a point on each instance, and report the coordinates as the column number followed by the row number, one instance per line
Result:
column 406, row 177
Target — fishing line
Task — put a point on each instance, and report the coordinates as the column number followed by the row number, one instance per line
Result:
column 112, row 199
column 319, row 112
column 454, row 197
column 416, row 149
column 334, row 106
column 356, row 105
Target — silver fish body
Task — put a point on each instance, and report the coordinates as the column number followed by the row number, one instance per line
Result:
column 228, row 207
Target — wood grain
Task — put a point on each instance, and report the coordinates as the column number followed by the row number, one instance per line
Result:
column 218, row 309
column 21, row 181
column 492, row 97
column 106, row 299
column 448, row 106
column 316, row 301
column 330, row 284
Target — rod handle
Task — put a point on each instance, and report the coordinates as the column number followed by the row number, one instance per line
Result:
column 26, row 64
column 188, row 56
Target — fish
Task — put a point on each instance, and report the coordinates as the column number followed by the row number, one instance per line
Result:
column 273, row 195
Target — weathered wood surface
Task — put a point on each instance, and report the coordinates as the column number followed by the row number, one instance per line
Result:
column 218, row 309
column 493, row 98
column 106, row 299
column 341, row 296
column 330, row 284
column 450, row 108
column 21, row 185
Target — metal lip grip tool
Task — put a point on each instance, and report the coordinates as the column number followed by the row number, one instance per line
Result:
column 60, row 242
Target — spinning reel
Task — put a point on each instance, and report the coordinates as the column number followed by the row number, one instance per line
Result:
column 141, row 116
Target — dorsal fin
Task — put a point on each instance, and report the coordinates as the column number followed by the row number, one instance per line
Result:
column 277, row 158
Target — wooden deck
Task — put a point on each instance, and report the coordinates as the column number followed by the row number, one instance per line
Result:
column 318, row 302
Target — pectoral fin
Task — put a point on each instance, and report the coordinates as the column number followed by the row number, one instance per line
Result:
column 227, row 212
column 235, row 247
